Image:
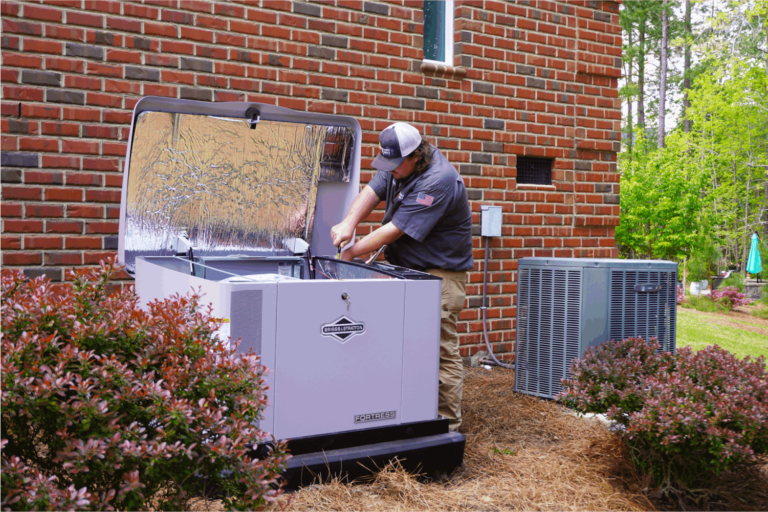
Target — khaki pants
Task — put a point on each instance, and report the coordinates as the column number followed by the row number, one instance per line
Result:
column 451, row 367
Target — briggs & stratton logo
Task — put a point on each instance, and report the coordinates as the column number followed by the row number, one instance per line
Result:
column 342, row 329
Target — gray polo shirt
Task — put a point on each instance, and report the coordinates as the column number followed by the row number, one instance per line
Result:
column 433, row 211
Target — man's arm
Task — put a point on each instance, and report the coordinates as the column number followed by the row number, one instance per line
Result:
column 384, row 235
column 361, row 207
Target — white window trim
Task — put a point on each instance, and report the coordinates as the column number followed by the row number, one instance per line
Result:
column 448, row 36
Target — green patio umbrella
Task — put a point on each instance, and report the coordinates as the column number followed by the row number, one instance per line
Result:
column 754, row 266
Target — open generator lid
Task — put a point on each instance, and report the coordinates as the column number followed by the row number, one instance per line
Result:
column 228, row 179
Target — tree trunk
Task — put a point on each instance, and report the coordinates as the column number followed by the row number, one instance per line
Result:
column 663, row 77
column 687, row 67
column 641, row 77
column 630, row 134
column 747, row 245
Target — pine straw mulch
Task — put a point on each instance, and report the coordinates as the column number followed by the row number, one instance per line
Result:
column 524, row 453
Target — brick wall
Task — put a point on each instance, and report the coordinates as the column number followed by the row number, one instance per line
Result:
column 530, row 78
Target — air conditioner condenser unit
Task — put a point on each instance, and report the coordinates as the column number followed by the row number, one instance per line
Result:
column 567, row 305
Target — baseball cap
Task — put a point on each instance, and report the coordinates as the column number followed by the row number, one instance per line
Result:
column 396, row 142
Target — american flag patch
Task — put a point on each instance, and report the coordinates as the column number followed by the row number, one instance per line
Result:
column 424, row 199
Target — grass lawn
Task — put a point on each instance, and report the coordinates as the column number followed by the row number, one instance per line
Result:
column 698, row 330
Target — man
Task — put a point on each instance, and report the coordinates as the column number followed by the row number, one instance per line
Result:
column 427, row 226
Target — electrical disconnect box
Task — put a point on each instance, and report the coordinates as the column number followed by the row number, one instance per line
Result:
column 490, row 220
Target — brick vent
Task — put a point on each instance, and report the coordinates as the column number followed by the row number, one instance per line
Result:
column 534, row 171
column 531, row 78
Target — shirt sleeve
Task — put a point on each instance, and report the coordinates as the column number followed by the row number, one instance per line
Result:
column 421, row 210
column 379, row 184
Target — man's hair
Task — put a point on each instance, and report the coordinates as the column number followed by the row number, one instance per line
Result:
column 423, row 156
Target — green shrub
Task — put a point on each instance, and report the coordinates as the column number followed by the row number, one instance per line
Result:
column 764, row 295
column 700, row 303
column 105, row 405
column 735, row 280
column 687, row 416
column 761, row 313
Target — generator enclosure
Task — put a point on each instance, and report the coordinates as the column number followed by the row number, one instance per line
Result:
column 237, row 201
column 567, row 305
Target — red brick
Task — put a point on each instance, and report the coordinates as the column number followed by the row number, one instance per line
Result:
column 123, row 24
column 101, row 164
column 104, row 70
column 84, row 179
column 84, row 18
column 66, row 65
column 22, row 27
column 85, row 211
column 43, row 177
column 81, row 114
column 140, row 11
column 104, row 228
column 42, row 46
column 61, row 161
column 42, row 13
column 83, row 242
column 22, row 226
column 21, row 192
column 10, row 209
column 79, row 146
column 61, row 129
column 63, row 194
column 94, row 258
column 63, row 258
column 43, row 210
column 22, row 61
column 68, row 33
column 43, row 242
column 103, row 196
column 10, row 243
column 160, row 29
column 63, row 226
column 21, row 258
column 22, row 93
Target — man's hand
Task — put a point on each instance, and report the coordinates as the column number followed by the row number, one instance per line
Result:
column 362, row 206
column 342, row 233
column 346, row 255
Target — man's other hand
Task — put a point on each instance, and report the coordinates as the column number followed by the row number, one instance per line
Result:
column 342, row 233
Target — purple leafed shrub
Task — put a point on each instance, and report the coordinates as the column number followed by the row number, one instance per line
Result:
column 687, row 416
column 609, row 379
column 108, row 406
column 729, row 297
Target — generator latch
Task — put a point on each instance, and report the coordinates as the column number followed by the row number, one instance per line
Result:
column 345, row 296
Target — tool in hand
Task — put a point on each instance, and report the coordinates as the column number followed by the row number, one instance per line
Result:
column 338, row 253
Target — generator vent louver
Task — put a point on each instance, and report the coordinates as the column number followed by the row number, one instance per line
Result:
column 567, row 305
column 548, row 324
column 644, row 315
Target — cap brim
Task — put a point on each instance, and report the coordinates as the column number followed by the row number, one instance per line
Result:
column 387, row 164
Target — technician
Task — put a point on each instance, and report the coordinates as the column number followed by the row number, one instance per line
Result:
column 427, row 226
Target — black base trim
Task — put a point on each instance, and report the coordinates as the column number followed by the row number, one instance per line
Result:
column 365, row 436
column 424, row 446
column 429, row 454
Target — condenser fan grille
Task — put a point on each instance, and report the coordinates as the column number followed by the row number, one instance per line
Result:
column 643, row 315
column 548, row 328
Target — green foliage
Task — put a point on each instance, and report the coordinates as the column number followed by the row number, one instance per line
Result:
column 105, row 405
column 660, row 203
column 503, row 451
column 708, row 187
column 761, row 313
column 735, row 280
column 700, row 303
column 703, row 263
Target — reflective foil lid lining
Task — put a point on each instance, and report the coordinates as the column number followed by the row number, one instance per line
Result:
column 226, row 187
